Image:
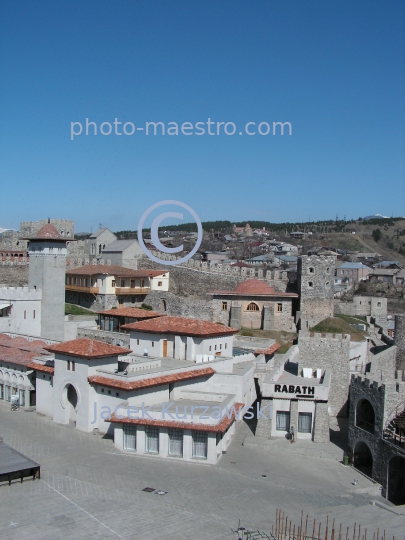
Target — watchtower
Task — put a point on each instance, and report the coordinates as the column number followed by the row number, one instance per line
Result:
column 47, row 268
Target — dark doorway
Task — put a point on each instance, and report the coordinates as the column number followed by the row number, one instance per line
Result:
column 365, row 417
column 72, row 399
column 396, row 480
column 363, row 459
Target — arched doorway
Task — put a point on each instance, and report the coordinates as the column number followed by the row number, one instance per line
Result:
column 363, row 458
column 72, row 399
column 396, row 480
column 365, row 416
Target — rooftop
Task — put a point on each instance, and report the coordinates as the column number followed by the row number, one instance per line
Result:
column 180, row 326
column 138, row 384
column 87, row 348
column 135, row 313
column 254, row 287
column 19, row 350
column 119, row 245
column 111, row 270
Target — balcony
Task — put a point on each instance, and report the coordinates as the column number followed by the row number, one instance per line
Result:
column 131, row 290
column 79, row 288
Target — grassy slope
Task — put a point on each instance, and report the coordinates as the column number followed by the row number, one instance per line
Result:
column 338, row 325
column 71, row 309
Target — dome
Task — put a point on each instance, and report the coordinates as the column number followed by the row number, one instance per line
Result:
column 48, row 231
column 254, row 286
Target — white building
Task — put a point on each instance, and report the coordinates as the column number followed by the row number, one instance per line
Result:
column 177, row 394
column 20, row 310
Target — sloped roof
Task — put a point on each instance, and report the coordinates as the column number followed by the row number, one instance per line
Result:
column 111, row 270
column 181, row 326
column 254, row 287
column 87, row 348
column 19, row 350
column 119, row 245
column 136, row 313
column 139, row 384
column 47, row 231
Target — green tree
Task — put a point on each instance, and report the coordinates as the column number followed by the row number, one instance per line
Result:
column 377, row 234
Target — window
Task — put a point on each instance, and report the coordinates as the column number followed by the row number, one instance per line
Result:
column 311, row 270
column 378, row 304
column 120, row 300
column 282, row 421
column 113, row 282
column 327, row 284
column 74, row 281
column 304, row 422
column 153, row 343
column 215, row 347
column 226, row 345
column 310, row 284
column 25, row 314
column 68, row 364
column 176, row 442
column 129, row 432
column 137, row 341
column 200, row 444
column 33, row 314
column 142, row 282
column 102, row 390
column 122, row 282
column 73, row 366
column 109, row 392
column 224, row 306
column 132, row 284
column 252, row 307
column 328, row 270
column 117, row 394
column 210, row 347
column 279, row 308
column 151, row 440
column 160, row 283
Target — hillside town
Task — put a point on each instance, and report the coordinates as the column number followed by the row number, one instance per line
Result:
column 185, row 362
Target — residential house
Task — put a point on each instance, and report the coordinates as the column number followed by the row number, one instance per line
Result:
column 123, row 253
column 101, row 287
column 98, row 241
column 354, row 271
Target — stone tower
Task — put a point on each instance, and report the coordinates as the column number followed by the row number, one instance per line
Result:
column 400, row 341
column 47, row 269
column 315, row 287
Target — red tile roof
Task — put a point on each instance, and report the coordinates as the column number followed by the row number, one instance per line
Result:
column 87, row 348
column 254, row 287
column 153, row 381
column 41, row 367
column 48, row 231
column 19, row 350
column 181, row 326
column 136, row 313
column 111, row 270
column 221, row 427
column 270, row 350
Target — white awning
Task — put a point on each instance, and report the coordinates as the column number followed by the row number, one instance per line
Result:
column 2, row 306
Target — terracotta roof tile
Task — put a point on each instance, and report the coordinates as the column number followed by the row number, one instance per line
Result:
column 87, row 348
column 181, row 326
column 136, row 313
column 48, row 231
column 254, row 287
column 153, row 381
column 111, row 270
column 221, row 427
column 19, row 350
column 41, row 367
column 270, row 350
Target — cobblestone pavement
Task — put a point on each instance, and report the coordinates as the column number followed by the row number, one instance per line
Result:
column 90, row 490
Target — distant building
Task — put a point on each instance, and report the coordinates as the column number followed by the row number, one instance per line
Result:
column 395, row 276
column 123, row 253
column 99, row 240
column 353, row 271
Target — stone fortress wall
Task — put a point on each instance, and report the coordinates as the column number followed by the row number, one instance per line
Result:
column 328, row 351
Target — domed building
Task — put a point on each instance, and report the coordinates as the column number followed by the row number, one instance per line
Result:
column 254, row 304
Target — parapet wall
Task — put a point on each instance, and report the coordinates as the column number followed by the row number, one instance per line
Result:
column 20, row 293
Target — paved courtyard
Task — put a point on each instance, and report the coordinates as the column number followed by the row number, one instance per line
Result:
column 89, row 490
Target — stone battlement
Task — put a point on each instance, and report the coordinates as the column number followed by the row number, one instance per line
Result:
column 361, row 382
column 319, row 336
column 20, row 293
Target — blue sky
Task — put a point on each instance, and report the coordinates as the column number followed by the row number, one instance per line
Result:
column 334, row 70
